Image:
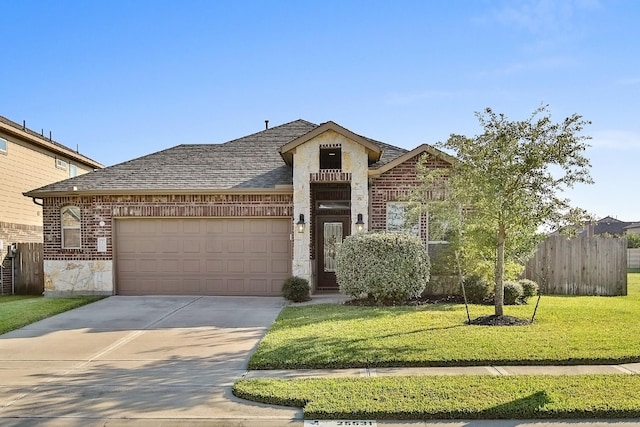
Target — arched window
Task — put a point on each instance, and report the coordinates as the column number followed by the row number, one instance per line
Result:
column 70, row 227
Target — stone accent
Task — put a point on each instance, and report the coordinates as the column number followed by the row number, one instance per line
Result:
column 306, row 167
column 66, row 278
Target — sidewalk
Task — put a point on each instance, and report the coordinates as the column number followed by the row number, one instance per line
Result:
column 628, row 369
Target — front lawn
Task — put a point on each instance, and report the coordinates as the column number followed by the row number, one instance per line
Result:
column 567, row 330
column 17, row 311
column 452, row 397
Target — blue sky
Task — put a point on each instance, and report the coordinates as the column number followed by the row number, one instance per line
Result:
column 121, row 79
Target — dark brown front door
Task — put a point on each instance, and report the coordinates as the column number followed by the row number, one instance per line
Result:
column 330, row 233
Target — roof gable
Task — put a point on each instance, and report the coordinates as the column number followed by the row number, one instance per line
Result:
column 424, row 148
column 374, row 151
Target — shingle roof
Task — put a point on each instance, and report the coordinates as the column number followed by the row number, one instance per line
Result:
column 250, row 162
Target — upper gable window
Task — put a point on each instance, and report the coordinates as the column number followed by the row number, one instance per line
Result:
column 3, row 146
column 70, row 220
column 61, row 164
column 73, row 170
column 330, row 158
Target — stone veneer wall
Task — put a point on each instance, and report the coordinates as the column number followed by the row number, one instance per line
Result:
column 88, row 271
column 14, row 233
column 306, row 161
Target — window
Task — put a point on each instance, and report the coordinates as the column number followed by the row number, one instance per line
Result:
column 73, row 170
column 399, row 221
column 3, row 146
column 70, row 221
column 330, row 158
column 61, row 164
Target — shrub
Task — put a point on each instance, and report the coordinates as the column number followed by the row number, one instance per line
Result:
column 529, row 289
column 296, row 289
column 633, row 240
column 476, row 288
column 512, row 293
column 388, row 267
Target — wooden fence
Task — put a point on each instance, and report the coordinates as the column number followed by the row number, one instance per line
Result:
column 633, row 258
column 29, row 269
column 580, row 266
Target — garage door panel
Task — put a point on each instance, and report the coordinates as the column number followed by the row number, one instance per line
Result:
column 191, row 266
column 258, row 246
column 170, row 266
column 280, row 246
column 215, row 266
column 258, row 227
column 280, row 227
column 224, row 257
column 148, row 266
column 191, row 246
column 214, row 246
column 235, row 266
column 235, row 246
column 280, row 266
column 258, row 266
column 236, row 227
column 235, row 286
column 168, row 227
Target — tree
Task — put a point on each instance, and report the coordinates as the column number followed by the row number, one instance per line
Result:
column 510, row 179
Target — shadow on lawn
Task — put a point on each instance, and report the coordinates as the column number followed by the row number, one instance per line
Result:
column 526, row 407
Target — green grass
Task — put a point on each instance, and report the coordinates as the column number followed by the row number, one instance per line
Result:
column 17, row 311
column 567, row 330
column 452, row 397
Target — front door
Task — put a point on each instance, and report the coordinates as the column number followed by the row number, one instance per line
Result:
column 331, row 231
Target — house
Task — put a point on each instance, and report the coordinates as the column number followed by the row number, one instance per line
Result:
column 632, row 228
column 226, row 219
column 611, row 227
column 28, row 160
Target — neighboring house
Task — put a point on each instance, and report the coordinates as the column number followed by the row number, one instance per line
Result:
column 610, row 226
column 29, row 160
column 226, row 219
column 633, row 228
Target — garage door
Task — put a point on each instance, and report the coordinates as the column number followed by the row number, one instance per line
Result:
column 208, row 256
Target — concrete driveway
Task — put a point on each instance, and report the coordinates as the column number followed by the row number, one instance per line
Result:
column 149, row 359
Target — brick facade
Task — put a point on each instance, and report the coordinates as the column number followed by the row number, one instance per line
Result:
column 396, row 184
column 95, row 209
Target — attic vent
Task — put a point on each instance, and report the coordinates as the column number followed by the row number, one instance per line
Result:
column 331, row 158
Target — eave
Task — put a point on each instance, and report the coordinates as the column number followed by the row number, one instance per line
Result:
column 424, row 148
column 283, row 189
column 42, row 142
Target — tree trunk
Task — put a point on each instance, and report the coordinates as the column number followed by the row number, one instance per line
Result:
column 499, row 291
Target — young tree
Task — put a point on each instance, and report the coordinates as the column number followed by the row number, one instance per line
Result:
column 511, row 178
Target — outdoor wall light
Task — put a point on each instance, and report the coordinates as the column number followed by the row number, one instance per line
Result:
column 300, row 224
column 359, row 224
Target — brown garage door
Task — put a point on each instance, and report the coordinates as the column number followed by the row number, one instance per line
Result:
column 204, row 256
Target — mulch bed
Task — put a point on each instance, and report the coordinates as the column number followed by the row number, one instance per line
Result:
column 424, row 300
column 491, row 320
column 495, row 320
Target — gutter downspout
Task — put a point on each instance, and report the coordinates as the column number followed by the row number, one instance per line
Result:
column 41, row 203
